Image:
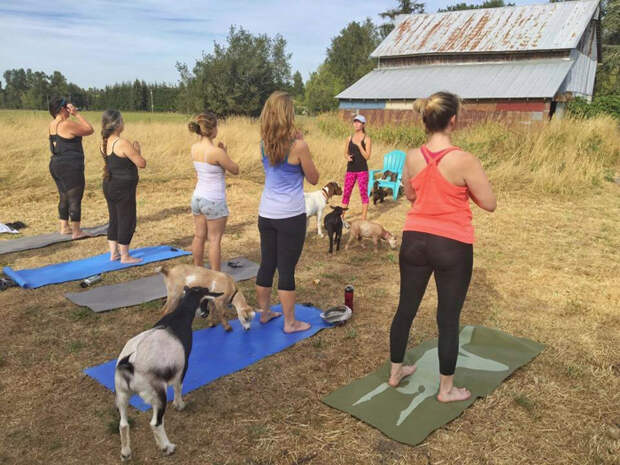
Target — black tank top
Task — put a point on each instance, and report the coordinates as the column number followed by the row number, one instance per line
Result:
column 121, row 168
column 66, row 149
column 359, row 162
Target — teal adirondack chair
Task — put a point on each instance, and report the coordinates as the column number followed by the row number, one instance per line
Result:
column 394, row 162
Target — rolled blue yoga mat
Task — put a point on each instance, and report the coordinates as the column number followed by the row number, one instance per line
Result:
column 80, row 269
column 216, row 353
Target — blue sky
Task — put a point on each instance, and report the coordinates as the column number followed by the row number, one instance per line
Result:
column 99, row 42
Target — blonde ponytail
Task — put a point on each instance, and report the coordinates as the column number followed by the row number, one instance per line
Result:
column 437, row 110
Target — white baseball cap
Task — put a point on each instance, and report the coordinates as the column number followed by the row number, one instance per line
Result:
column 359, row 118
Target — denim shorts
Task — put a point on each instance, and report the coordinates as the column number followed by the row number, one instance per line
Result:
column 212, row 209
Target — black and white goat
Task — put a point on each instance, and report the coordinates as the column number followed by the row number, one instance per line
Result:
column 155, row 359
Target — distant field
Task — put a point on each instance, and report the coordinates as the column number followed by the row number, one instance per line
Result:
column 93, row 116
column 547, row 267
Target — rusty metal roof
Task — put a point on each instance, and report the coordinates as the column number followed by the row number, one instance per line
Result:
column 550, row 26
column 486, row 80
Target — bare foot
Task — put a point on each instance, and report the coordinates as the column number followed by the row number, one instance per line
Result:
column 296, row 327
column 65, row 231
column 404, row 371
column 130, row 259
column 115, row 257
column 454, row 395
column 80, row 234
column 266, row 317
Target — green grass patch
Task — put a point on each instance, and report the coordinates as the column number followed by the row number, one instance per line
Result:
column 351, row 333
column 80, row 313
column 75, row 346
column 528, row 404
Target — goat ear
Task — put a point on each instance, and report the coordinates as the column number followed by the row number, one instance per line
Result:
column 185, row 288
column 214, row 294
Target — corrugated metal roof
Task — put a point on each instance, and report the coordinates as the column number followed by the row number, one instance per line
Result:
column 493, row 80
column 550, row 26
column 580, row 78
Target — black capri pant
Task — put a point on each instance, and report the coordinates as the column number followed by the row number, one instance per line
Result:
column 121, row 198
column 281, row 243
column 69, row 178
column 451, row 261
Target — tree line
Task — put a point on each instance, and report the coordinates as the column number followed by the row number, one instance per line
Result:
column 238, row 76
column 27, row 89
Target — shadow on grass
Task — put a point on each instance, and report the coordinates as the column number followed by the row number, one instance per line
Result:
column 164, row 214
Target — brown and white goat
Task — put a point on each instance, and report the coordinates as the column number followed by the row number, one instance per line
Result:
column 179, row 276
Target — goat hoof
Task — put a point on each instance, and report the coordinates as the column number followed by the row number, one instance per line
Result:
column 179, row 405
column 169, row 449
column 228, row 328
column 125, row 456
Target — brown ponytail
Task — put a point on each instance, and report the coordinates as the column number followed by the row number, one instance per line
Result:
column 204, row 124
column 111, row 120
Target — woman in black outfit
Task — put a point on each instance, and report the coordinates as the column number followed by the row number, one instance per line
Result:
column 120, row 179
column 67, row 163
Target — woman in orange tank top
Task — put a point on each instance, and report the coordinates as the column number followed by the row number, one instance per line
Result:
column 438, row 238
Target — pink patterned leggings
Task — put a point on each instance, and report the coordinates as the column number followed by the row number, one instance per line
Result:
column 349, row 182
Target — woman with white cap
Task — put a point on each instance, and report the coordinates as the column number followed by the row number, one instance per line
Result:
column 357, row 152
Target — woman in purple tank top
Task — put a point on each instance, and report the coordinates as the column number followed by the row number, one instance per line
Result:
column 282, row 212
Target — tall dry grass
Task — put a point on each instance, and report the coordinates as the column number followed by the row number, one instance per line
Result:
column 564, row 156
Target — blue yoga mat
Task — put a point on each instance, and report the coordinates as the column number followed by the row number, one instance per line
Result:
column 79, row 269
column 216, row 353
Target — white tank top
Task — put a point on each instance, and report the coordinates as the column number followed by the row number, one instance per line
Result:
column 211, row 183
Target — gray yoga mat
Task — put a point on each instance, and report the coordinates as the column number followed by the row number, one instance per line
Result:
column 139, row 291
column 36, row 242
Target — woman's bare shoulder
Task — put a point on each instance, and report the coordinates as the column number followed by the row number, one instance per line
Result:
column 463, row 156
column 299, row 146
column 414, row 153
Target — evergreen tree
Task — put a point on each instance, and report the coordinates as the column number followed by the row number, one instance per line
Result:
column 405, row 7
column 485, row 4
column 298, row 85
column 348, row 55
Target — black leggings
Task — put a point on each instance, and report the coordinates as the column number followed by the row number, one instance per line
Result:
column 69, row 178
column 281, row 243
column 121, row 198
column 420, row 255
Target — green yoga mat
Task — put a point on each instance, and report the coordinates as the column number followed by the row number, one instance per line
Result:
column 411, row 412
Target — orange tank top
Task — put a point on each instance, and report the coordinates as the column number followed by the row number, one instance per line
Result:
column 441, row 208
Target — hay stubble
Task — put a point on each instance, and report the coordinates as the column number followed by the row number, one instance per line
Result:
column 546, row 267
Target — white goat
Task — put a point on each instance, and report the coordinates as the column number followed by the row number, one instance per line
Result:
column 155, row 359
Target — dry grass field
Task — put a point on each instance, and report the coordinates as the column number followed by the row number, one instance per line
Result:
column 547, row 267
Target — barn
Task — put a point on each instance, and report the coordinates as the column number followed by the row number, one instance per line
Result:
column 520, row 64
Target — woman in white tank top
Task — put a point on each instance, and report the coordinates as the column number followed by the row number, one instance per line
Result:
column 209, row 200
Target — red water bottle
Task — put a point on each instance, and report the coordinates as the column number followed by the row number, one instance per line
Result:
column 348, row 296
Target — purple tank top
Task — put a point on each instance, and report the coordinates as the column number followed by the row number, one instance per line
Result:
column 283, row 195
